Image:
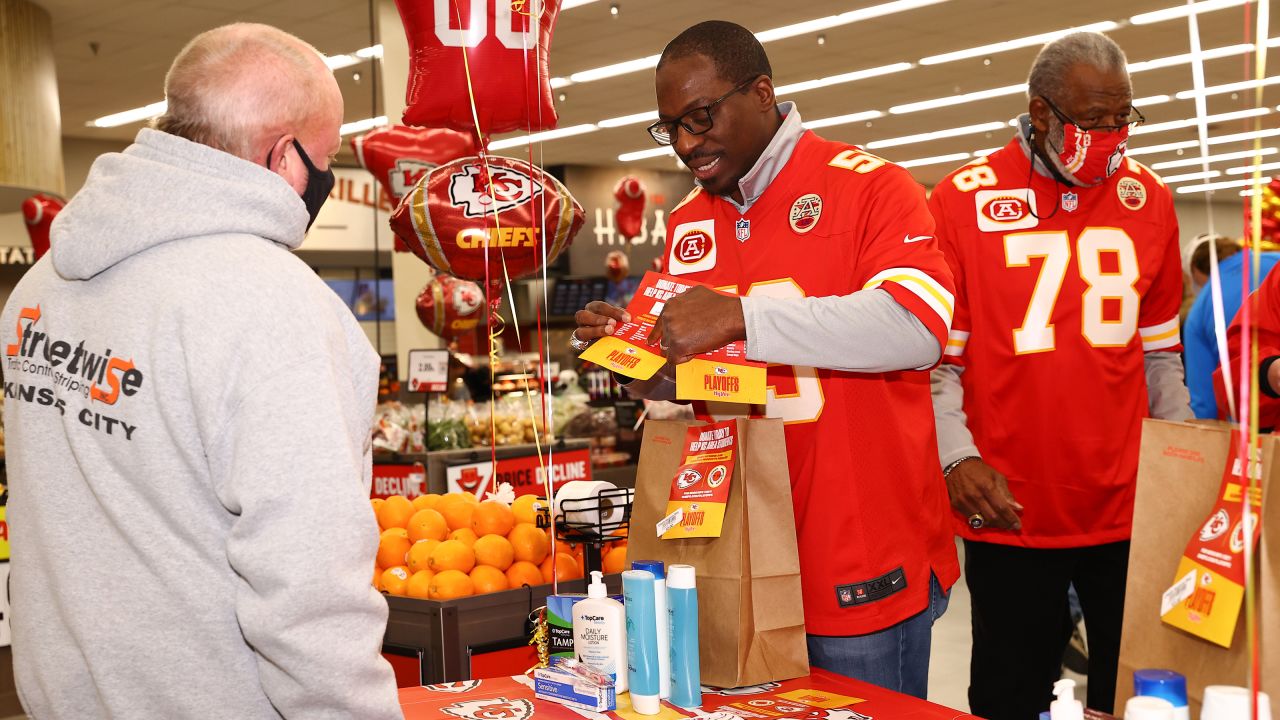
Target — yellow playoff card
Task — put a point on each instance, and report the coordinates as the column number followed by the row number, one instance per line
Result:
column 627, row 350
column 721, row 380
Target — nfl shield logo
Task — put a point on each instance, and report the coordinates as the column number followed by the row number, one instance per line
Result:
column 1070, row 201
column 743, row 229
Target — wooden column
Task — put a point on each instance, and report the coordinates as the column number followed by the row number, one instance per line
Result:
column 30, row 119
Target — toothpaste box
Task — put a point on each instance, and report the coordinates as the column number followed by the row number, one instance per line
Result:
column 567, row 688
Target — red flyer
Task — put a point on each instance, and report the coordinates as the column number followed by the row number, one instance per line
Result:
column 700, row 489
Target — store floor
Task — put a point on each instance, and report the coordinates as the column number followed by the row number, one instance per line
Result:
column 952, row 641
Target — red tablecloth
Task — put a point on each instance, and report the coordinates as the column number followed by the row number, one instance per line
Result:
column 820, row 696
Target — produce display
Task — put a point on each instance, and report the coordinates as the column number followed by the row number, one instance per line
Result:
column 442, row 547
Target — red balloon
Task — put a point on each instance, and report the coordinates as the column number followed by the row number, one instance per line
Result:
column 1274, row 185
column 450, row 218
column 506, row 44
column 398, row 155
column 39, row 210
column 450, row 307
column 630, row 213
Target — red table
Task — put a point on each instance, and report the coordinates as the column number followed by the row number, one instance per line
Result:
column 820, row 696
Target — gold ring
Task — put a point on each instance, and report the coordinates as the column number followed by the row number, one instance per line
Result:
column 976, row 521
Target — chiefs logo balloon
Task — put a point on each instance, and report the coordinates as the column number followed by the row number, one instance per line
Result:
column 398, row 155
column 39, row 210
column 505, row 69
column 630, row 214
column 466, row 212
column 450, row 307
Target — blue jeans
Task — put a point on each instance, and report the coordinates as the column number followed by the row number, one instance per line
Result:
column 896, row 658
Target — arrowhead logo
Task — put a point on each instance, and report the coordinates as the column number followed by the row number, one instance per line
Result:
column 470, row 189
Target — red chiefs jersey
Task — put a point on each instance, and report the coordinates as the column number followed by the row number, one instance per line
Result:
column 869, row 501
column 1052, row 318
column 1264, row 306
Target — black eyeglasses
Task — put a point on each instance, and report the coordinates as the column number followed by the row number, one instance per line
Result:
column 695, row 122
column 1134, row 120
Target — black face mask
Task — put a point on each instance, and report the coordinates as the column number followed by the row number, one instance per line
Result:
column 319, row 184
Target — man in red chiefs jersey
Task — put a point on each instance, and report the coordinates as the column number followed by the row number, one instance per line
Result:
column 1264, row 304
column 1068, row 284
column 833, row 274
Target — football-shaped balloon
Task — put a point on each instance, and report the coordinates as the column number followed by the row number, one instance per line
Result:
column 398, row 155
column 505, row 68
column 39, row 210
column 468, row 217
column 450, row 307
column 630, row 214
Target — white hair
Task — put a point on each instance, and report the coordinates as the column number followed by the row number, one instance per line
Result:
column 235, row 86
column 1049, row 71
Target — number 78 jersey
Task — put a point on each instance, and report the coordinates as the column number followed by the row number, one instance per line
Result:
column 1053, row 314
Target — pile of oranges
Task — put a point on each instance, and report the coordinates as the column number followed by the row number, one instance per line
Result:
column 442, row 547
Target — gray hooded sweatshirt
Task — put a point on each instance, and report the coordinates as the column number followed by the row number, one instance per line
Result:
column 188, row 411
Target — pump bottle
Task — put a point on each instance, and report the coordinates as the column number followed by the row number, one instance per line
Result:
column 600, row 633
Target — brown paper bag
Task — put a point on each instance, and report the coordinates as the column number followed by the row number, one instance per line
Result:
column 750, row 609
column 1179, row 474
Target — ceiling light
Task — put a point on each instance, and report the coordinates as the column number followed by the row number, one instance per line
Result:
column 1230, row 87
column 373, row 51
column 986, row 151
column 362, row 125
column 613, row 9
column 1028, row 41
column 786, row 31
column 558, row 82
column 1166, row 147
column 1184, row 11
column 1189, row 162
column 537, row 137
column 621, row 68
column 958, row 99
column 841, row 78
column 1152, row 100
column 337, row 62
column 1188, row 122
column 843, row 119
column 845, row 18
column 644, row 154
column 130, row 116
column 1215, row 186
column 629, row 119
column 1185, row 58
column 935, row 160
column 570, row 4
column 936, row 135
column 1202, row 175
column 1264, row 167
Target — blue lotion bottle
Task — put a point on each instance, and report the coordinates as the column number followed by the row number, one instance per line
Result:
column 642, row 641
column 682, row 606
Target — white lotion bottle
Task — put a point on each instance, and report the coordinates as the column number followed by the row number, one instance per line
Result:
column 600, row 633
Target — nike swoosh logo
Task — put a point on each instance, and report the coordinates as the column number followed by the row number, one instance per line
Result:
column 918, row 238
column 898, row 579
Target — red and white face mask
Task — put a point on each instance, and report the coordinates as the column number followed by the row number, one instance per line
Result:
column 1089, row 157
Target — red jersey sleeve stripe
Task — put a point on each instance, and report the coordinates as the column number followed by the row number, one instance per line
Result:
column 934, row 296
column 909, row 299
column 1160, row 337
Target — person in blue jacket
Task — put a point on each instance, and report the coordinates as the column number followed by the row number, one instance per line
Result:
column 1198, row 338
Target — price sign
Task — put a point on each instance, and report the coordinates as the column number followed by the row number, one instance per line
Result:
column 428, row 371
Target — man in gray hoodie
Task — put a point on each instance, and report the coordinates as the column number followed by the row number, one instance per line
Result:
column 188, row 410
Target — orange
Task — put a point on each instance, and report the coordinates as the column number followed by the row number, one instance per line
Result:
column 377, row 578
column 615, row 561
column 526, row 508
column 427, row 525
column 395, row 512
column 494, row 551
column 426, row 502
column 451, row 555
column 566, row 568
column 530, row 543
column 451, row 584
column 492, row 518
column 376, row 503
column 523, row 573
column 456, row 512
column 420, row 584
column 393, row 546
column 620, row 532
column 488, row 579
column 395, row 580
column 466, row 536
column 419, row 554
column 577, row 550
